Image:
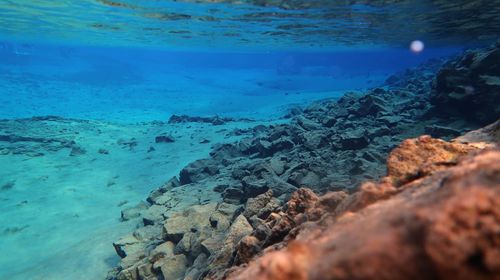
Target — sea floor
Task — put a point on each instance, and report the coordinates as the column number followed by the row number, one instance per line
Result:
column 61, row 212
column 61, row 205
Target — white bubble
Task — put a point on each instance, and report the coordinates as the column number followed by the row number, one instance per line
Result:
column 417, row 46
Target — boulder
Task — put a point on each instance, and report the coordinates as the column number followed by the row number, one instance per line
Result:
column 174, row 267
column 164, row 139
column 416, row 158
column 195, row 218
column 133, row 212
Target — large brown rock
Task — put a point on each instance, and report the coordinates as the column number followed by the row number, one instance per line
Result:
column 416, row 158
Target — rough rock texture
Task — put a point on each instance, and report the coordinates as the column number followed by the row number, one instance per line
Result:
column 419, row 157
column 470, row 86
column 446, row 226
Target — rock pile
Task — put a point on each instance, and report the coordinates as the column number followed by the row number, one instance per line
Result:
column 251, row 200
column 446, row 225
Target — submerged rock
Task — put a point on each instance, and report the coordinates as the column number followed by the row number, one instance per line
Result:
column 164, row 139
column 469, row 86
column 439, row 226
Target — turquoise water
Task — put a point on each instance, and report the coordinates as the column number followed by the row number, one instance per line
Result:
column 112, row 69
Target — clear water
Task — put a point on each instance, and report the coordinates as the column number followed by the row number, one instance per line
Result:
column 121, row 64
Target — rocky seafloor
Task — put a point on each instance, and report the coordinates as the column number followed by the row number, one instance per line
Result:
column 388, row 208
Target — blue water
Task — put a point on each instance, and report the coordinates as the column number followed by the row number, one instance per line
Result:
column 138, row 84
column 115, row 66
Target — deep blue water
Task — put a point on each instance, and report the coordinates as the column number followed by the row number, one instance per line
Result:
column 125, row 61
column 89, row 79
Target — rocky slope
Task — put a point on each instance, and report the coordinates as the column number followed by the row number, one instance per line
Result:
column 446, row 226
column 332, row 145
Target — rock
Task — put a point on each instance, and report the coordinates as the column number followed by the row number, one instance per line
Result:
column 103, row 151
column 239, row 228
column 433, row 234
column 255, row 205
column 307, row 124
column 315, row 140
column 193, row 219
column 277, row 165
column 233, row 195
column 246, row 249
column 163, row 250
column 123, row 245
column 215, row 120
column 211, row 246
column 329, row 121
column 221, row 219
column 164, row 139
column 197, row 171
column 145, row 272
column 154, row 215
column 353, row 140
column 482, row 138
column 469, row 87
column 372, row 104
column 133, row 212
column 416, row 158
column 128, row 274
column 174, row 267
column 310, row 179
column 148, row 232
column 441, row 131
column 252, row 187
column 77, row 151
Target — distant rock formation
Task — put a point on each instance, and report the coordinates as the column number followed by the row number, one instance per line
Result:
column 215, row 120
column 469, row 86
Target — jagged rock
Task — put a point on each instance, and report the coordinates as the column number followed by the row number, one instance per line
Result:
column 372, row 105
column 174, row 267
column 255, row 205
column 416, row 158
column 239, row 228
column 154, row 215
column 441, row 131
column 469, row 86
column 442, row 227
column 277, row 165
column 482, row 138
column 353, row 140
column 315, row 140
column 148, row 232
column 133, row 212
column 77, row 151
column 253, row 186
column 124, row 246
column 197, row 171
column 164, row 139
column 193, row 219
column 145, row 272
column 215, row 120
column 163, row 250
column 233, row 195
column 307, row 124
column 247, row 248
column 223, row 216
column 128, row 274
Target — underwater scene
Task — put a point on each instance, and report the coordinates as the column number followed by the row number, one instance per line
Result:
column 249, row 139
